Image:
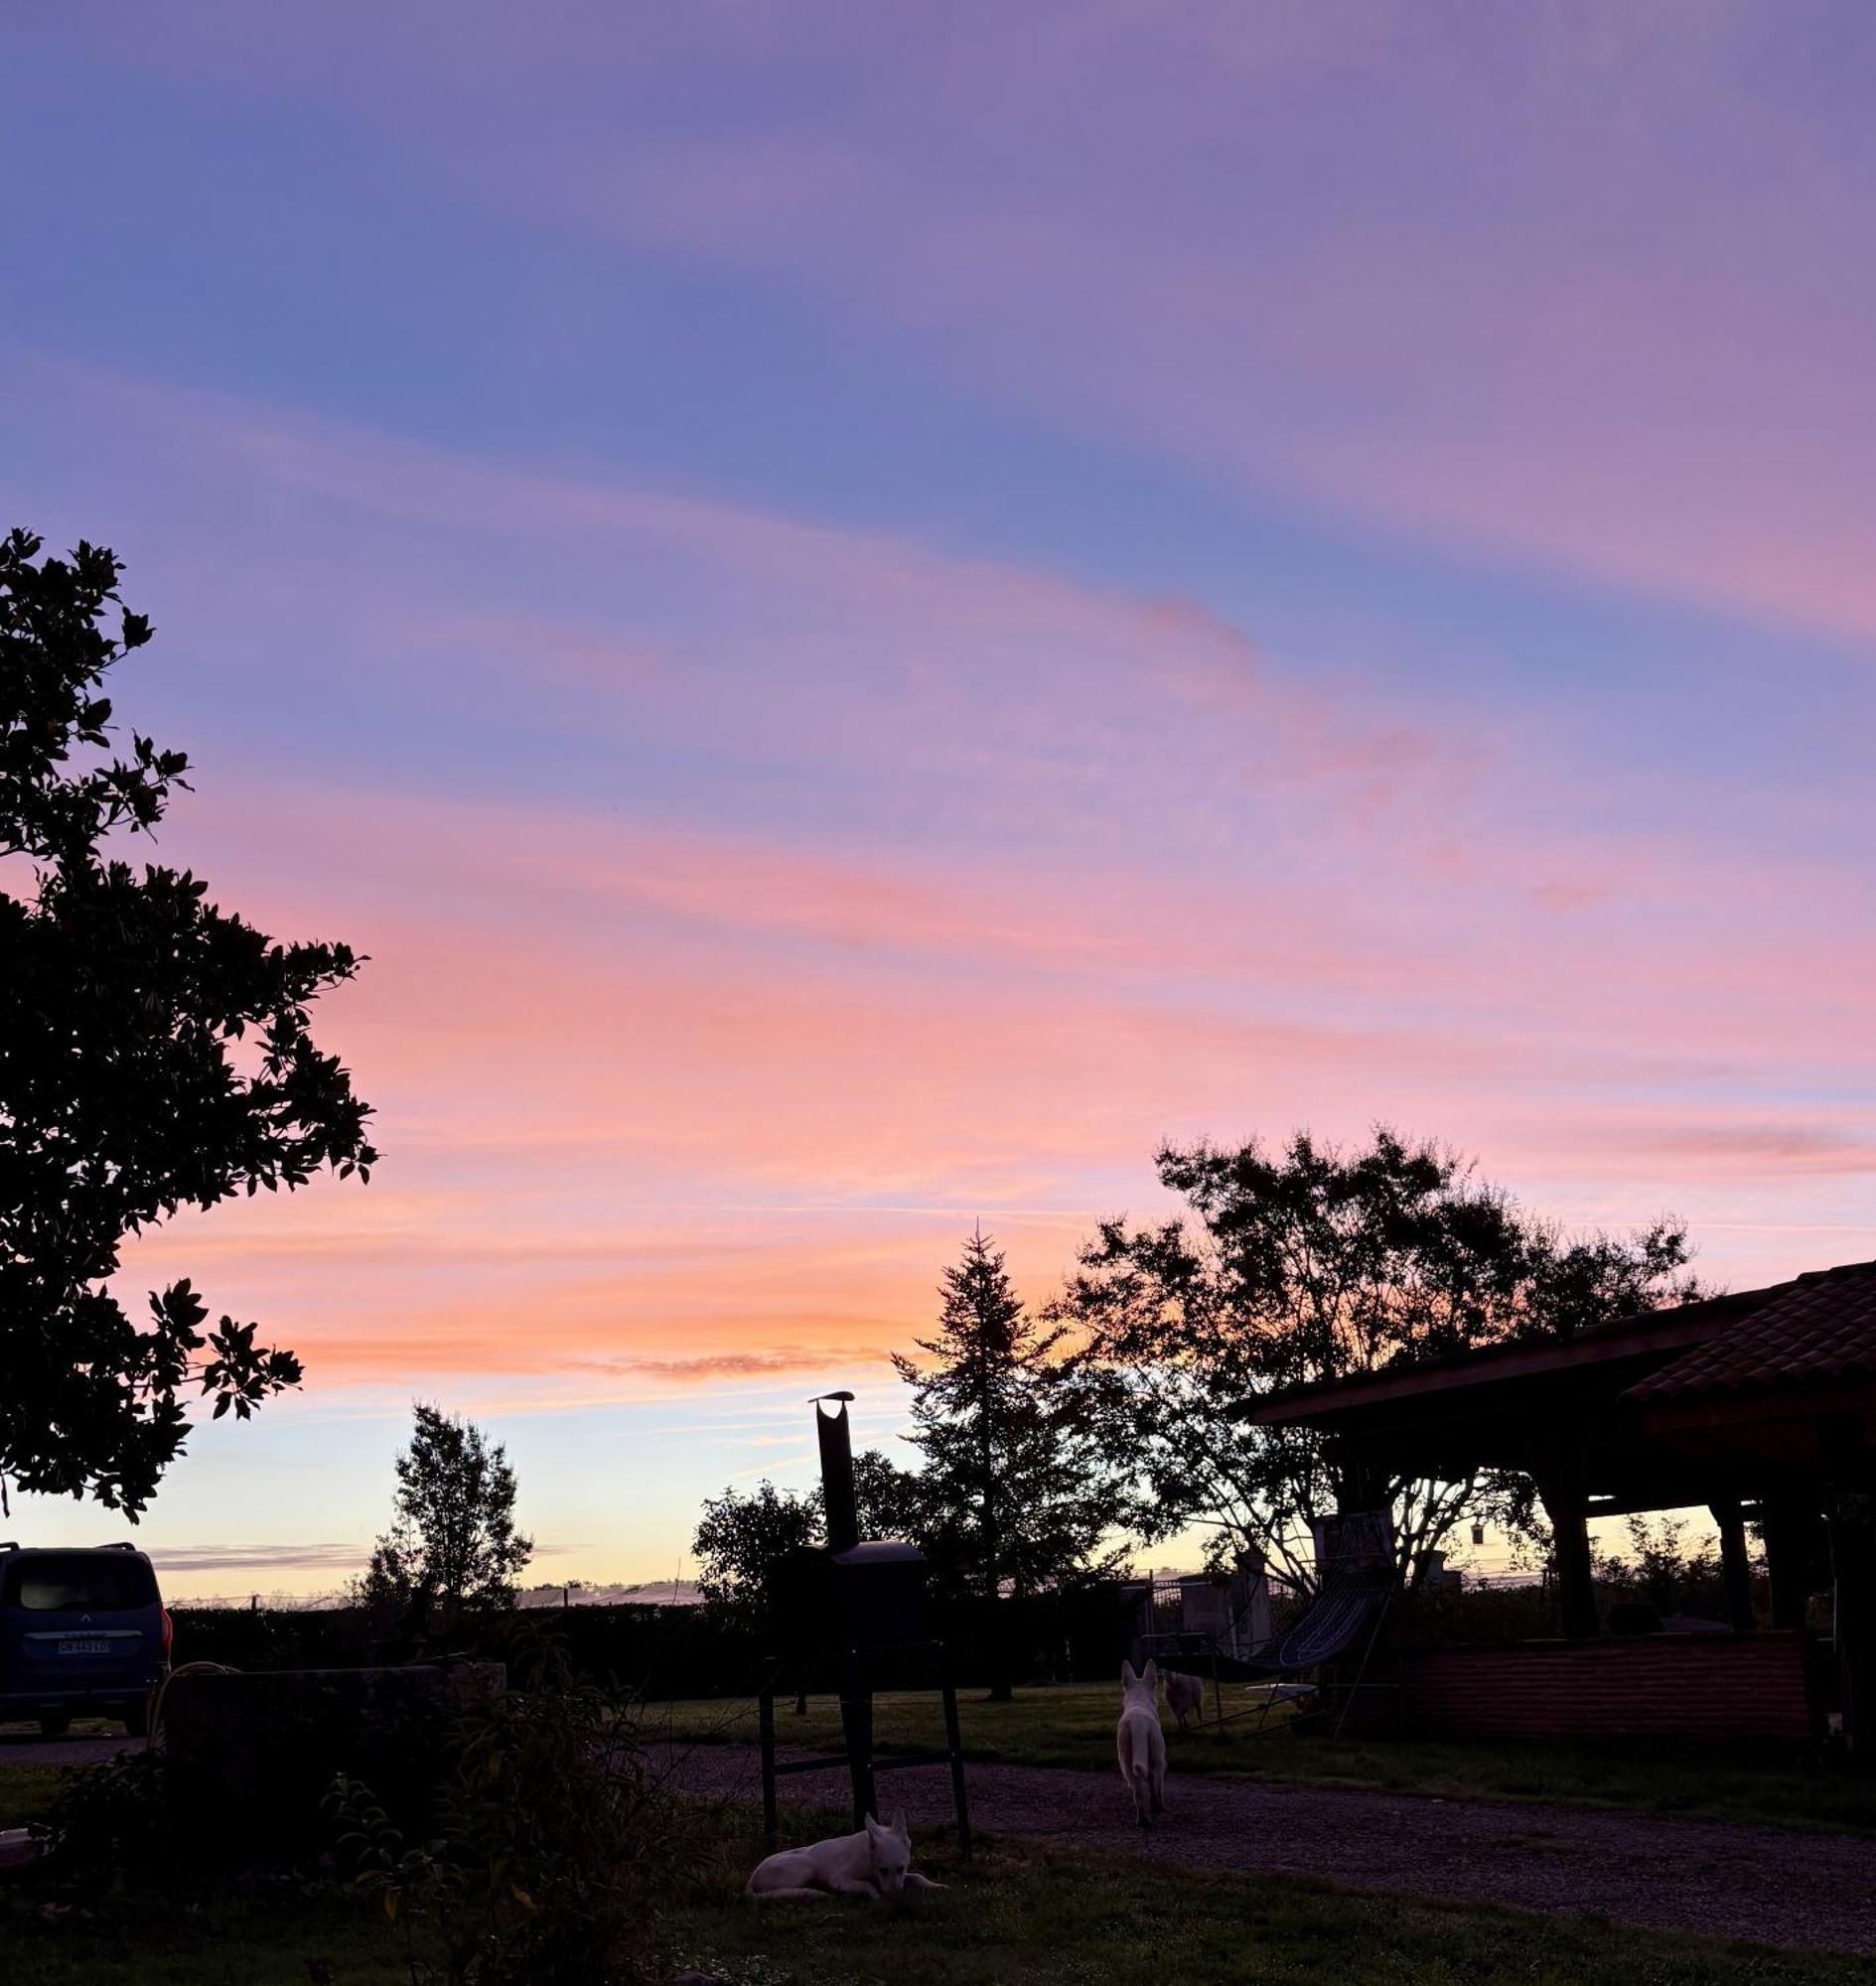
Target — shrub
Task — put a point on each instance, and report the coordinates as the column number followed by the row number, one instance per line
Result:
column 555, row 1841
column 111, row 1824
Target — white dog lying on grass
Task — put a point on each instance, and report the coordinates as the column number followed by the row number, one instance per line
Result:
column 1139, row 1740
column 876, row 1862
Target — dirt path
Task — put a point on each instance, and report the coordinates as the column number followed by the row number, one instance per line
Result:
column 1775, row 1886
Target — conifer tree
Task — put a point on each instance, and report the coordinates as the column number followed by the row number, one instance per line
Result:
column 453, row 1552
column 1017, row 1496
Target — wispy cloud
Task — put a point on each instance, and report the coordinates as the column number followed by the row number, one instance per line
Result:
column 727, row 1365
column 868, row 613
column 188, row 1560
column 1605, row 355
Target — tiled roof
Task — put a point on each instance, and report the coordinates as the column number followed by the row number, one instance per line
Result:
column 1822, row 1327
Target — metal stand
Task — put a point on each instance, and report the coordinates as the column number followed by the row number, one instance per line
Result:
column 1360, row 1682
column 856, row 1730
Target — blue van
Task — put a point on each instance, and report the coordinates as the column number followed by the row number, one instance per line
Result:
column 82, row 1633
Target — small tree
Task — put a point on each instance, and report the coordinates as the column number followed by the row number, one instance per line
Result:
column 1312, row 1267
column 742, row 1540
column 155, row 1052
column 451, row 1551
column 1663, row 1570
column 1015, row 1489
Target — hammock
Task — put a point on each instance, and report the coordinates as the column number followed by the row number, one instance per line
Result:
column 1343, row 1605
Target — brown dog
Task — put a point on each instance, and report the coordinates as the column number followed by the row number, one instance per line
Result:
column 1185, row 1696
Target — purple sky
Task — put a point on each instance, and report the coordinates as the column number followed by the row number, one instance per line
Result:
column 870, row 609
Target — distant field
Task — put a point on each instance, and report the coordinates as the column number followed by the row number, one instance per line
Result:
column 1073, row 1725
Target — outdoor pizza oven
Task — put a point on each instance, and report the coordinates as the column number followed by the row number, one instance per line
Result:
column 851, row 1594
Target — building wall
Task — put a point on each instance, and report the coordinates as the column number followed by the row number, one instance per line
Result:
column 1664, row 1686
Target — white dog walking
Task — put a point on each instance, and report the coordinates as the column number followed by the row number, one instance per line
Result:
column 1141, row 1741
column 876, row 1862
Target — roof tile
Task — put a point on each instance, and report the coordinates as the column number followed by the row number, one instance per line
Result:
column 1821, row 1327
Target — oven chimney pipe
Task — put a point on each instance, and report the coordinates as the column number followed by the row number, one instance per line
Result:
column 836, row 1474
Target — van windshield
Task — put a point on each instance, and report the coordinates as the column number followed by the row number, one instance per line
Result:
column 81, row 1582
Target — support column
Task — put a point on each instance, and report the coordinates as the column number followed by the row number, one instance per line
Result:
column 1851, row 1517
column 954, row 1746
column 856, row 1730
column 765, row 1738
column 1566, row 1504
column 1735, row 1566
column 1794, row 1536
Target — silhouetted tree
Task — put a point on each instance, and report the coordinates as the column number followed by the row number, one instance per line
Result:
column 1663, row 1571
column 1308, row 1267
column 451, row 1551
column 741, row 1540
column 742, row 1537
column 892, row 1503
column 155, row 1052
column 1016, row 1492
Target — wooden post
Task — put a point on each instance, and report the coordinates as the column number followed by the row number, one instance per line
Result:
column 1566, row 1504
column 766, row 1732
column 856, row 1727
column 954, row 1746
column 1852, row 1549
column 1735, row 1567
column 1792, row 1534
column 1851, row 1517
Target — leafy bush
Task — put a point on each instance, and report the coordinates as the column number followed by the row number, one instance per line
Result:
column 554, row 1844
column 111, row 1824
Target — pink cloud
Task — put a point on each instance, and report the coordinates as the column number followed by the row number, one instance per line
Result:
column 619, row 1155
column 1129, row 876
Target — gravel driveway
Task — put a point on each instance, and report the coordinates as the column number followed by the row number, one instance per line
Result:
column 1775, row 1886
column 30, row 1749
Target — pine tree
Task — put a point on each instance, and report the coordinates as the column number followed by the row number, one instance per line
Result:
column 453, row 1550
column 1016, row 1495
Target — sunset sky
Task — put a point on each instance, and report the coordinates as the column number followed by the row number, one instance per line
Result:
column 869, row 610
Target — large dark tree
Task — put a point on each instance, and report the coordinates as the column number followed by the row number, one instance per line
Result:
column 1312, row 1265
column 452, row 1552
column 1017, row 1492
column 155, row 1052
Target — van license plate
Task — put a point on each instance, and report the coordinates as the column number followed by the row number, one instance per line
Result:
column 85, row 1647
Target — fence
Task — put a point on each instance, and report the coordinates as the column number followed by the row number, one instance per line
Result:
column 680, row 1652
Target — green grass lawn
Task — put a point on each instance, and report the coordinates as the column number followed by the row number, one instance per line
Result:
column 1025, row 1911
column 1074, row 1725
column 1054, row 1917
column 1021, row 1912
column 284, row 1940
column 24, row 1792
